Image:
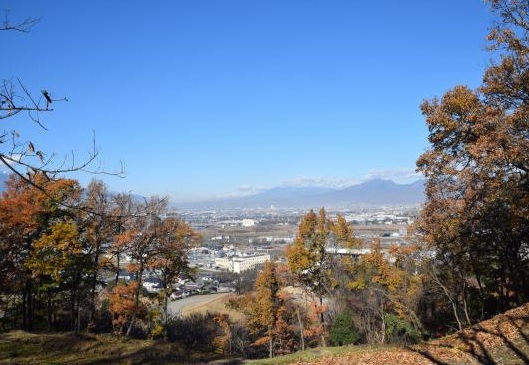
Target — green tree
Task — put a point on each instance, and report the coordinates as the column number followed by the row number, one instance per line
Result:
column 343, row 330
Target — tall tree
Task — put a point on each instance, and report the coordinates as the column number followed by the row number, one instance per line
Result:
column 60, row 262
column 477, row 173
column 26, row 213
column 98, row 226
column 173, row 239
column 270, row 314
column 140, row 241
column 308, row 256
column 123, row 212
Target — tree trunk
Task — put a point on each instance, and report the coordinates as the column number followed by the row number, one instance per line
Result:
column 117, row 270
column 301, row 330
column 93, row 284
column 449, row 296
column 49, row 309
column 27, row 306
column 322, row 322
column 270, row 343
column 383, row 322
column 136, row 301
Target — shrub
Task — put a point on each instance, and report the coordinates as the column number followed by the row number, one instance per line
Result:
column 398, row 330
column 343, row 331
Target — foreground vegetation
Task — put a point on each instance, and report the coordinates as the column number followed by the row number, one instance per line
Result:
column 503, row 339
column 20, row 347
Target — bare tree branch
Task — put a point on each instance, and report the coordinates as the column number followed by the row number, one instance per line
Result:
column 23, row 26
column 23, row 158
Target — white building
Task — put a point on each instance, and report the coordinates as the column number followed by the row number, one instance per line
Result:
column 248, row 223
column 239, row 264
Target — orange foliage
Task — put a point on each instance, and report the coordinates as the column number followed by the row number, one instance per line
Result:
column 122, row 305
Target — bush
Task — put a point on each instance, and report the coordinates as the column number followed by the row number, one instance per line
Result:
column 343, row 331
column 195, row 332
column 398, row 330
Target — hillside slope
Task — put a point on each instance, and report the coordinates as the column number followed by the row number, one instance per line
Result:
column 503, row 339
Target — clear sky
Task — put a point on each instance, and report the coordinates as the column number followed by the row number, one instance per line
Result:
column 203, row 99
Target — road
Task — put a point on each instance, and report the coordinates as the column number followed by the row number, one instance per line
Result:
column 176, row 307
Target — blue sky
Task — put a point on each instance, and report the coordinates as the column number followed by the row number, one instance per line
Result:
column 203, row 99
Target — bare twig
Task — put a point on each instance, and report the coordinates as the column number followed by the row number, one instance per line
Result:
column 24, row 26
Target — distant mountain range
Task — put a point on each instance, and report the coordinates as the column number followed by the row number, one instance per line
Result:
column 376, row 192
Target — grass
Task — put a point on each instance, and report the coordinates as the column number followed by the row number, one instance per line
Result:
column 18, row 347
column 217, row 305
column 310, row 355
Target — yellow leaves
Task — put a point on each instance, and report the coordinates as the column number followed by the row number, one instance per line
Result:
column 56, row 251
column 374, row 270
column 64, row 236
column 308, row 224
column 298, row 256
column 343, row 232
column 308, row 257
column 358, row 284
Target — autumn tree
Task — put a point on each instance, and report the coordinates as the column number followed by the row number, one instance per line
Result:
column 148, row 240
column 123, row 211
column 27, row 213
column 476, row 169
column 309, row 257
column 59, row 262
column 223, row 341
column 174, row 238
column 124, row 305
column 385, row 292
column 269, row 312
column 98, row 227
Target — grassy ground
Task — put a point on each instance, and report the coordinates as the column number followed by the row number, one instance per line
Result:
column 20, row 348
column 217, row 305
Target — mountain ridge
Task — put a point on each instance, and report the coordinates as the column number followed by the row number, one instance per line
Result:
column 371, row 192
column 375, row 192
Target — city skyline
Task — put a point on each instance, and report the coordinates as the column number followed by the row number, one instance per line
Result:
column 205, row 100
